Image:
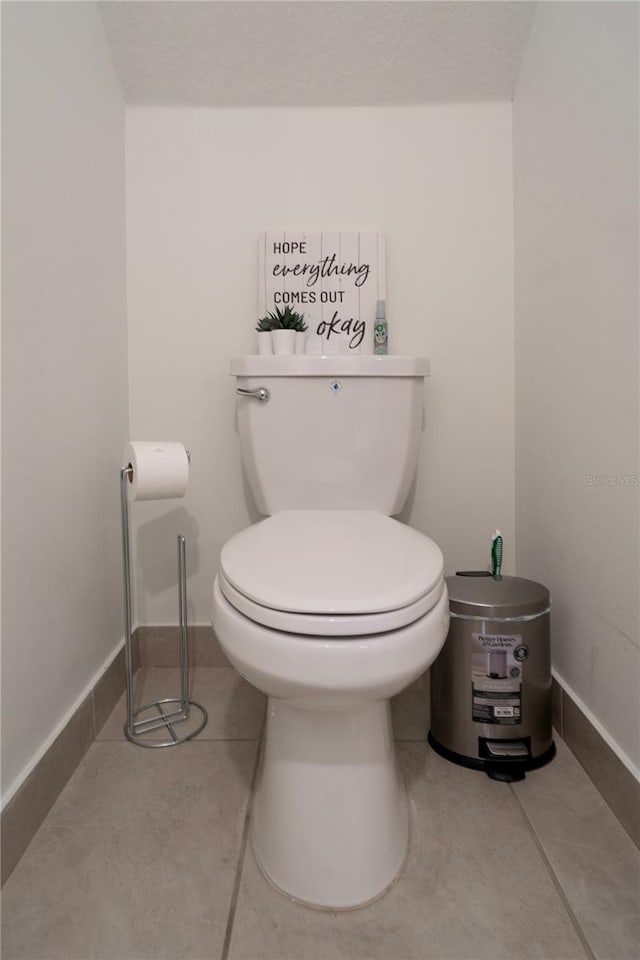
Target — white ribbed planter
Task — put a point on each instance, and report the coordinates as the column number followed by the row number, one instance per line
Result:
column 284, row 341
column 263, row 340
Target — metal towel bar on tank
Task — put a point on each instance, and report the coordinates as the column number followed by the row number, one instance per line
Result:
column 167, row 713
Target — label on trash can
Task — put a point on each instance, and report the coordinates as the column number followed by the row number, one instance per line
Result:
column 496, row 677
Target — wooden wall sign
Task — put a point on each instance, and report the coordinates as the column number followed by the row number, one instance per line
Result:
column 334, row 279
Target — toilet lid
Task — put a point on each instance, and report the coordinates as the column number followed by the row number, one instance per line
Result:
column 332, row 562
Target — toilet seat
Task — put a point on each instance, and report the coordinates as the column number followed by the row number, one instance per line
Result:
column 327, row 626
column 331, row 573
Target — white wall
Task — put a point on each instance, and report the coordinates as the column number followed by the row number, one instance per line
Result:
column 65, row 404
column 576, row 241
column 201, row 185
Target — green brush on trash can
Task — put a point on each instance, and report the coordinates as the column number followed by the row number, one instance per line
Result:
column 496, row 554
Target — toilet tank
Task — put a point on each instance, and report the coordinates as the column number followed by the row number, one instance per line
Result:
column 337, row 433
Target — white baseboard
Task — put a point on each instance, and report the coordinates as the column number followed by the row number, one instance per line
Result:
column 59, row 727
column 593, row 720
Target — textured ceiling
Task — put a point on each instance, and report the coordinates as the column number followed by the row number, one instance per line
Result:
column 315, row 52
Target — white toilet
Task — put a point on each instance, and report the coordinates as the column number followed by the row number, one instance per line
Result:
column 330, row 607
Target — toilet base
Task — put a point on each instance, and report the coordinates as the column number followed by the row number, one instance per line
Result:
column 330, row 815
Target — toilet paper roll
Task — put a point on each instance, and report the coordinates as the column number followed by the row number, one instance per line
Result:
column 160, row 470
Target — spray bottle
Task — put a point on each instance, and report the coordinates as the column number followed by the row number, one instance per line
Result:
column 380, row 332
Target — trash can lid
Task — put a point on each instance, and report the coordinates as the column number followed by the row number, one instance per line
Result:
column 486, row 598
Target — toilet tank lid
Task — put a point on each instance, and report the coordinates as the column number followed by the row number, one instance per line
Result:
column 332, row 562
column 340, row 366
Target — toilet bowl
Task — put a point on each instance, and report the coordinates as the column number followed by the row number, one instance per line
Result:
column 330, row 613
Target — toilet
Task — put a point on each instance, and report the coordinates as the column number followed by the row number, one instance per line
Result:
column 330, row 607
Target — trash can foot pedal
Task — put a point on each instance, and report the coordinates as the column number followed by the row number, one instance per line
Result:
column 504, row 749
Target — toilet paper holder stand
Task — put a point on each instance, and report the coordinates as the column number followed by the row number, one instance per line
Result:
column 169, row 712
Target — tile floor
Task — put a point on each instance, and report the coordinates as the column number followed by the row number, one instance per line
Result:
column 145, row 855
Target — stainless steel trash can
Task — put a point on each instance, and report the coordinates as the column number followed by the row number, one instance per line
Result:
column 491, row 683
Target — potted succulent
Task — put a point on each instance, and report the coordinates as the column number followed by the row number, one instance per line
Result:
column 287, row 328
column 263, row 336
